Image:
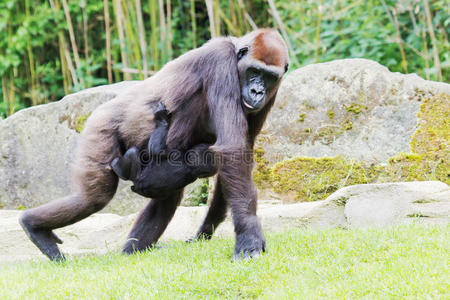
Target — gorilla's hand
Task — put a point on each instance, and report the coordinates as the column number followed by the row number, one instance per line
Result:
column 161, row 115
column 251, row 241
column 128, row 166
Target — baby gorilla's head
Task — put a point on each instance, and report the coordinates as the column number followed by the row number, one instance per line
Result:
column 201, row 161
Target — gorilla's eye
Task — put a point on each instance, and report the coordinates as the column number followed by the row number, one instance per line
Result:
column 242, row 52
column 286, row 67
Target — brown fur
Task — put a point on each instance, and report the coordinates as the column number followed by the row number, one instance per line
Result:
column 201, row 89
column 268, row 48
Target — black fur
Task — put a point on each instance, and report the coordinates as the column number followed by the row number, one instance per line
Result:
column 159, row 171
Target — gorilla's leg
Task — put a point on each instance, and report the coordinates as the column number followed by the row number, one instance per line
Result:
column 216, row 214
column 239, row 190
column 39, row 222
column 250, row 240
column 93, row 185
column 152, row 222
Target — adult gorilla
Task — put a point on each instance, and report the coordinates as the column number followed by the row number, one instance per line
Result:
column 220, row 94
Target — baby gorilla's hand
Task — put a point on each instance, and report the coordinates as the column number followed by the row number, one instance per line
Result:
column 128, row 166
column 161, row 114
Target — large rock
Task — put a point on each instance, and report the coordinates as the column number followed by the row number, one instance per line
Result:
column 351, row 107
column 358, row 206
column 37, row 147
column 386, row 204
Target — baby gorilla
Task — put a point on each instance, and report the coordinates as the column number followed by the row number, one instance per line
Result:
column 159, row 172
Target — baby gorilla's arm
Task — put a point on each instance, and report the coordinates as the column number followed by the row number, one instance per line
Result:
column 157, row 143
column 128, row 166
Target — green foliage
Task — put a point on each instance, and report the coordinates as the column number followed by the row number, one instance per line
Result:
column 198, row 196
column 38, row 63
column 408, row 261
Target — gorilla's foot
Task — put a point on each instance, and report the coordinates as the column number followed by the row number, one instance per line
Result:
column 249, row 243
column 202, row 236
column 44, row 239
column 132, row 246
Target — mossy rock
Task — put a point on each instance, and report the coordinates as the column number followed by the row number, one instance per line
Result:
column 261, row 173
column 432, row 137
column 430, row 145
column 316, row 178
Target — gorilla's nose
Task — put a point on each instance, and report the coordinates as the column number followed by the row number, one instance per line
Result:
column 256, row 91
column 257, row 94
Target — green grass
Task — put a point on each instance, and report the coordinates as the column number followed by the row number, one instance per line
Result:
column 408, row 261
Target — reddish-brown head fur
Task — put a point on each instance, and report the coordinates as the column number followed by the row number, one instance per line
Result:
column 269, row 48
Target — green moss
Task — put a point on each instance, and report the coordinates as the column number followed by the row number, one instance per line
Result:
column 261, row 173
column 432, row 137
column 21, row 207
column 330, row 114
column 347, row 125
column 316, row 178
column 76, row 124
column 417, row 215
column 79, row 123
column 355, row 108
column 430, row 145
column 301, row 117
column 327, row 134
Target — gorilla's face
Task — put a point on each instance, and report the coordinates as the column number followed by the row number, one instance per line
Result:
column 261, row 65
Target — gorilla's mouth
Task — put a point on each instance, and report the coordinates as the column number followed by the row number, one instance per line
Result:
column 248, row 105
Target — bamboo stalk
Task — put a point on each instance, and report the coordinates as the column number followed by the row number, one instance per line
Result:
column 216, row 17
column 108, row 41
column 63, row 67
column 154, row 35
column 12, row 93
column 229, row 23
column 283, row 31
column 85, row 35
column 247, row 17
column 163, row 30
column 142, row 41
column 240, row 17
column 243, row 15
column 5, row 94
column 437, row 62
column 119, row 17
column 72, row 39
column 400, row 41
column 388, row 13
column 233, row 17
column 317, row 39
column 34, row 99
column 425, row 50
column 169, row 28
column 193, row 24
column 210, row 10
column 66, row 60
column 130, row 22
column 70, row 66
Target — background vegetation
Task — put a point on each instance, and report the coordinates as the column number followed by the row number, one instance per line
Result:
column 55, row 47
